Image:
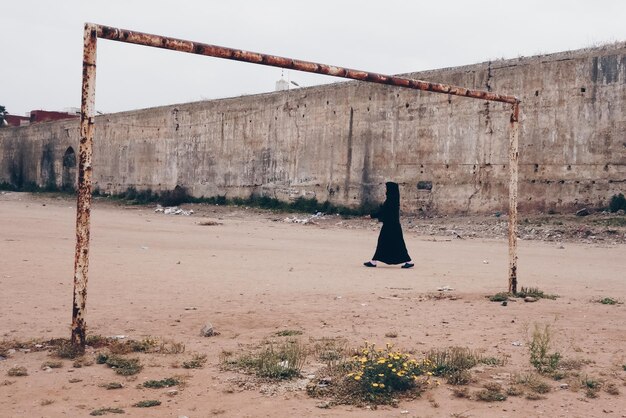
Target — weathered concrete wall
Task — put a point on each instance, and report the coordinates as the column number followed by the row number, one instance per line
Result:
column 341, row 142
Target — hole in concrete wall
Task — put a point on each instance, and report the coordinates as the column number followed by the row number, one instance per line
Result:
column 406, row 105
column 327, row 102
column 582, row 89
column 69, row 158
column 533, row 181
column 447, row 166
column 569, row 168
column 561, row 181
column 368, row 108
column 425, row 185
column 536, row 167
column 606, row 167
column 536, row 93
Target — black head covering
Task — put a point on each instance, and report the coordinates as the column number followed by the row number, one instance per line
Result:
column 393, row 194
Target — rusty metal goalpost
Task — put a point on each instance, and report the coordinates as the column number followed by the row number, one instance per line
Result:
column 87, row 120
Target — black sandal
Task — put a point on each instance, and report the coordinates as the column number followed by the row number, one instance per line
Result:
column 408, row 265
column 369, row 264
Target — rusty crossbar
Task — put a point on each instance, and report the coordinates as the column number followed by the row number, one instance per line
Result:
column 94, row 31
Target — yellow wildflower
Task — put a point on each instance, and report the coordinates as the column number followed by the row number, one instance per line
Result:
column 390, row 365
column 357, row 377
column 375, row 385
column 382, row 385
column 380, row 374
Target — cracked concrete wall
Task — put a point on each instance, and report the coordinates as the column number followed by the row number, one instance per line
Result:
column 342, row 142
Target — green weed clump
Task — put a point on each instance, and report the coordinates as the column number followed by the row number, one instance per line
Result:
column 451, row 361
column 147, row 404
column 122, row 366
column 608, row 301
column 163, row 383
column 539, row 347
column 591, row 386
column 533, row 382
column 104, row 411
column 492, row 392
column 276, row 360
column 196, row 362
column 535, row 293
column 500, row 297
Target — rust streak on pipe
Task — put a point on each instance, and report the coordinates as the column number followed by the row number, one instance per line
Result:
column 140, row 38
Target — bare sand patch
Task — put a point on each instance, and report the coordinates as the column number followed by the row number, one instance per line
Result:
column 251, row 274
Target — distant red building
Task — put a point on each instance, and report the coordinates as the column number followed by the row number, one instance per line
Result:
column 38, row 116
column 13, row 120
column 45, row 116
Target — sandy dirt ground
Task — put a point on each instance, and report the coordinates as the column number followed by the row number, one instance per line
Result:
column 254, row 274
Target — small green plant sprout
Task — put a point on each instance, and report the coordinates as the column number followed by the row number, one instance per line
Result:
column 163, row 383
column 147, row 404
column 196, row 362
column 539, row 348
column 608, row 301
column 380, row 374
column 591, row 386
column 104, row 411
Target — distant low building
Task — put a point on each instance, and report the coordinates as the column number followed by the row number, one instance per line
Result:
column 45, row 116
column 35, row 116
column 13, row 120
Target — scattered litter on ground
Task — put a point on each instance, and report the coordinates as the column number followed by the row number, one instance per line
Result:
column 445, row 289
column 307, row 220
column 173, row 210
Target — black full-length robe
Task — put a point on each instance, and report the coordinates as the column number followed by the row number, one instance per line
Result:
column 391, row 248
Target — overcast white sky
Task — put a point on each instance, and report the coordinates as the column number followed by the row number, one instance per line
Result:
column 41, row 43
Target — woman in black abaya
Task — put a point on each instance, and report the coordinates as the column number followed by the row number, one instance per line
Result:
column 390, row 248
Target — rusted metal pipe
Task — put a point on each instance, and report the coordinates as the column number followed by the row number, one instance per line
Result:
column 93, row 31
column 83, row 206
column 157, row 41
column 513, row 172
